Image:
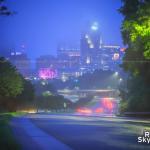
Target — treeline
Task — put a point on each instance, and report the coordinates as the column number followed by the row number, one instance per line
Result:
column 47, row 98
column 136, row 36
column 17, row 93
column 98, row 79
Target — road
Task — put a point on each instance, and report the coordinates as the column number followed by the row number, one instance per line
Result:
column 93, row 133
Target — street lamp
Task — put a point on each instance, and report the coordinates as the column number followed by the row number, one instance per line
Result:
column 116, row 73
column 120, row 79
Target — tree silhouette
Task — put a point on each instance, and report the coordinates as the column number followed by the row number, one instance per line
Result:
column 4, row 11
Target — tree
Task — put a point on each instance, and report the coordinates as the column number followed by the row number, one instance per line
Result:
column 26, row 98
column 82, row 102
column 52, row 102
column 15, row 91
column 98, row 79
column 136, row 36
column 3, row 9
column 11, row 85
column 44, row 87
column 10, row 80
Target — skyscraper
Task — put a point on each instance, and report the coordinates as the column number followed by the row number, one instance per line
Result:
column 96, row 55
column 90, row 44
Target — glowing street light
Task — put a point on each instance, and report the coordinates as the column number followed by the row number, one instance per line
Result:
column 120, row 79
column 116, row 73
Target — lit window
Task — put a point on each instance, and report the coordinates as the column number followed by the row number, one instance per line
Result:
column 88, row 60
column 91, row 46
column 89, row 41
column 86, row 36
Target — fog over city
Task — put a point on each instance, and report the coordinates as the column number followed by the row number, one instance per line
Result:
column 74, row 74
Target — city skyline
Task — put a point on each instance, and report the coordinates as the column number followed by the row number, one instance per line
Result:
column 70, row 62
column 68, row 25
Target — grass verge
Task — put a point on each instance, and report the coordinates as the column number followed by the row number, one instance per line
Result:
column 7, row 141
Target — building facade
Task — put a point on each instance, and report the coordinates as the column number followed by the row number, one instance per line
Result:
column 97, row 55
column 21, row 61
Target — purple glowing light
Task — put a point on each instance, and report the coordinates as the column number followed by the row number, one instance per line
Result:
column 47, row 73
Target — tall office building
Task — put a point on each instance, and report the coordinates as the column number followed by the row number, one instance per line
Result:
column 96, row 55
column 90, row 44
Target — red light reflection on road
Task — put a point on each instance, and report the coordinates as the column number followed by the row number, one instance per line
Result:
column 99, row 110
column 107, row 104
column 84, row 110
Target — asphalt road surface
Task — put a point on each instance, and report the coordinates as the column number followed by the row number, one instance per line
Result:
column 94, row 133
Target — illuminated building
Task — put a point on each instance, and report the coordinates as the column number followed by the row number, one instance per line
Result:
column 68, row 60
column 46, row 67
column 63, row 52
column 92, row 55
column 90, row 44
column 47, row 73
column 96, row 55
column 22, row 63
column 46, row 61
column 111, row 57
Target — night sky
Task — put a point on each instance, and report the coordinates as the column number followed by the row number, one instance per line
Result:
column 39, row 25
